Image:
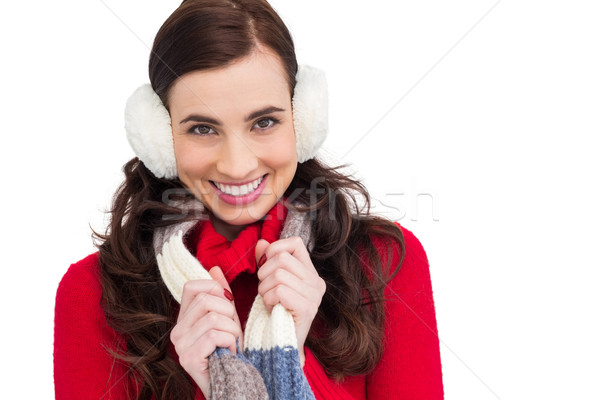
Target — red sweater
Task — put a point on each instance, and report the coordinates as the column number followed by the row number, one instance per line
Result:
column 409, row 369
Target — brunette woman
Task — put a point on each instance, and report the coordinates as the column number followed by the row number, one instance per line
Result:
column 227, row 231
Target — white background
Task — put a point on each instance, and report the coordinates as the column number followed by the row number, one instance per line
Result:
column 486, row 125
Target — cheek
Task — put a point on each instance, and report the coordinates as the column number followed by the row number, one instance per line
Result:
column 284, row 160
column 190, row 161
column 283, row 155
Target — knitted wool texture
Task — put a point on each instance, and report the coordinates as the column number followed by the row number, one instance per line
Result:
column 269, row 367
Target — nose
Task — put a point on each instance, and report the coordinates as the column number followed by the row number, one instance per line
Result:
column 236, row 160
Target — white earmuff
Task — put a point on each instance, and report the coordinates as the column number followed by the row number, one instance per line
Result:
column 310, row 109
column 148, row 123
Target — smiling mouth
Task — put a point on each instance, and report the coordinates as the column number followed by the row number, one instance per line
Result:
column 238, row 190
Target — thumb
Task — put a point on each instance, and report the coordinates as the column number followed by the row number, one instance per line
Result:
column 261, row 247
column 217, row 274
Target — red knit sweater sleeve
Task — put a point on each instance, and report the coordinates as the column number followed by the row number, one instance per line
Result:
column 410, row 367
column 83, row 369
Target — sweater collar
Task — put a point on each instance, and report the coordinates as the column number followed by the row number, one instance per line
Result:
column 237, row 256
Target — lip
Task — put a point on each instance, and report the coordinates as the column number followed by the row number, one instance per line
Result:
column 241, row 200
column 239, row 183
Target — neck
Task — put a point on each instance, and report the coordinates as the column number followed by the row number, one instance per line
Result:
column 230, row 232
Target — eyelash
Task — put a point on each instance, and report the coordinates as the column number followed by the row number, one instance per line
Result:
column 274, row 121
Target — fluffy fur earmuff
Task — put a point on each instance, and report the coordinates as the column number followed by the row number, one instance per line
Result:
column 148, row 123
column 310, row 111
column 148, row 127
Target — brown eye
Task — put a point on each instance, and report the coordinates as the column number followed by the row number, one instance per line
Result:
column 202, row 130
column 265, row 123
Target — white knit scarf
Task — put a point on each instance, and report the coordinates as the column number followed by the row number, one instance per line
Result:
column 270, row 343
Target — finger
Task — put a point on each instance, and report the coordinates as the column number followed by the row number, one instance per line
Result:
column 222, row 339
column 283, row 277
column 204, row 304
column 290, row 299
column 183, row 338
column 292, row 245
column 222, row 324
column 196, row 355
column 217, row 274
column 285, row 260
column 259, row 251
column 199, row 287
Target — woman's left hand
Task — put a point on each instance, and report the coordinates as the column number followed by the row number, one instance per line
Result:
column 288, row 277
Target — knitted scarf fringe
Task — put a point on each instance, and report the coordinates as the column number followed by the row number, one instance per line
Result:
column 269, row 366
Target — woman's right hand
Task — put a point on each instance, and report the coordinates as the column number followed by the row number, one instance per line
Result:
column 207, row 319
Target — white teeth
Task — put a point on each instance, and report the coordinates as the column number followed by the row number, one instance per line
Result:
column 239, row 190
column 245, row 189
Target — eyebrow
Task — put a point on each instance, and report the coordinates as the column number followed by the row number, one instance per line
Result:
column 255, row 114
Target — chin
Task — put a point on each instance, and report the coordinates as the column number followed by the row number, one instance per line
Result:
column 242, row 215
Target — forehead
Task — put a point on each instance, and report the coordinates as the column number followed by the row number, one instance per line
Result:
column 253, row 81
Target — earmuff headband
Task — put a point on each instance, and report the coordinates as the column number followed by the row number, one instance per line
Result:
column 148, row 123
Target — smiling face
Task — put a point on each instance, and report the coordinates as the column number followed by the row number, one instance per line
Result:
column 234, row 138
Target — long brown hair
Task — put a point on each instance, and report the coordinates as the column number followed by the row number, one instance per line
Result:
column 347, row 333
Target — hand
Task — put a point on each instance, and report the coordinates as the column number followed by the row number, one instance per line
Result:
column 207, row 319
column 288, row 277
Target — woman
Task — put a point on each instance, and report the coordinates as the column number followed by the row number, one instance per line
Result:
column 226, row 182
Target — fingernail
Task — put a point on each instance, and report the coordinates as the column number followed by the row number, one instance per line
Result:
column 228, row 294
column 262, row 260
